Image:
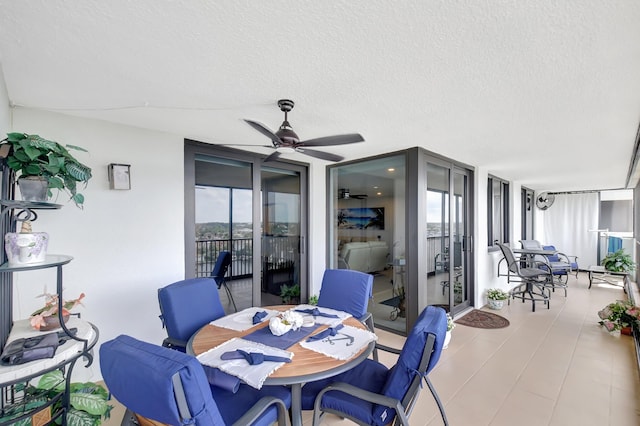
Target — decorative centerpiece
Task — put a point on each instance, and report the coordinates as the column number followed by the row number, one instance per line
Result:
column 46, row 318
column 26, row 247
column 282, row 323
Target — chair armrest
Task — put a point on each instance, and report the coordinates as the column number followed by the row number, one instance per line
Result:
column 388, row 349
column 365, row 395
column 170, row 342
column 260, row 407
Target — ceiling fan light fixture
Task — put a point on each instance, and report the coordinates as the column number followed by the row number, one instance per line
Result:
column 285, row 149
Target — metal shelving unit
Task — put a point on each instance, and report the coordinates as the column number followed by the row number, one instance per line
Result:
column 13, row 379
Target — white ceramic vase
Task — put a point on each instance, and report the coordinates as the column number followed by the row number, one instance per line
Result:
column 24, row 249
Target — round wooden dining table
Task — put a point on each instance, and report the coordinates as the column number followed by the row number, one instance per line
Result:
column 305, row 366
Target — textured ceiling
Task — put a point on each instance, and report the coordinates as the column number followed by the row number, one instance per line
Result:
column 546, row 93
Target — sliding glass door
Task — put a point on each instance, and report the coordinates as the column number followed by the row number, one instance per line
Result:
column 234, row 202
column 449, row 240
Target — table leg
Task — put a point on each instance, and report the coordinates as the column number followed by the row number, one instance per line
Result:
column 296, row 404
column 590, row 278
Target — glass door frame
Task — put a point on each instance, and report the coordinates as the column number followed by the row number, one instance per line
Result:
column 191, row 149
column 416, row 212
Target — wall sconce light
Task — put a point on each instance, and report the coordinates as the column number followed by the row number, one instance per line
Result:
column 119, row 176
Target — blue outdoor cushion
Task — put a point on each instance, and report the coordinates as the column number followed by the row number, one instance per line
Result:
column 189, row 304
column 346, row 290
column 432, row 320
column 139, row 375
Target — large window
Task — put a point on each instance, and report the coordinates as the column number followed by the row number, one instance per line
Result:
column 498, row 211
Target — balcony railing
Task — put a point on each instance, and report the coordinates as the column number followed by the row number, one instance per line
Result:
column 277, row 249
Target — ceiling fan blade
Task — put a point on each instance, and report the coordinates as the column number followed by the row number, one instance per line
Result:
column 262, row 129
column 319, row 154
column 244, row 144
column 334, row 140
column 272, row 157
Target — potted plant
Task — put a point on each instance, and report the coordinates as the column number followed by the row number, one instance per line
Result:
column 88, row 401
column 450, row 326
column 618, row 261
column 290, row 294
column 496, row 298
column 36, row 159
column 620, row 315
column 46, row 318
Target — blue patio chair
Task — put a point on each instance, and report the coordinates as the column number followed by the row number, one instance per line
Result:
column 371, row 393
column 219, row 274
column 185, row 306
column 349, row 291
column 561, row 257
column 171, row 387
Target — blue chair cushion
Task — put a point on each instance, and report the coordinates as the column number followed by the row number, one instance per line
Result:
column 374, row 372
column 189, row 304
column 432, row 320
column 233, row 405
column 336, row 283
column 138, row 374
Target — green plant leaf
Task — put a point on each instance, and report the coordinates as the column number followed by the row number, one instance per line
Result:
column 39, row 142
column 91, row 403
column 53, row 380
column 79, row 172
column 77, row 417
column 15, row 137
column 32, row 152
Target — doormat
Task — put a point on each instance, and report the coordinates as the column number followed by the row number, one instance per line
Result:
column 482, row 319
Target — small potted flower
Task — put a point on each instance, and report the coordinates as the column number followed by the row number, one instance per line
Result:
column 450, row 326
column 496, row 298
column 46, row 318
column 620, row 315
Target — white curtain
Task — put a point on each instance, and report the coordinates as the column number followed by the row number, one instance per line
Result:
column 568, row 225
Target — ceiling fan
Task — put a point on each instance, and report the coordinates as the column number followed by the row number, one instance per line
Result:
column 286, row 140
column 345, row 194
column 545, row 200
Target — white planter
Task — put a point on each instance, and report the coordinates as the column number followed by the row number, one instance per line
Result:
column 447, row 339
column 496, row 304
column 24, row 249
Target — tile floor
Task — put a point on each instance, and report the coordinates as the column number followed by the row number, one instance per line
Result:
column 549, row 367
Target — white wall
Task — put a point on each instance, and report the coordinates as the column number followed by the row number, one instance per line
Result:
column 317, row 244
column 486, row 261
column 125, row 244
column 4, row 106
